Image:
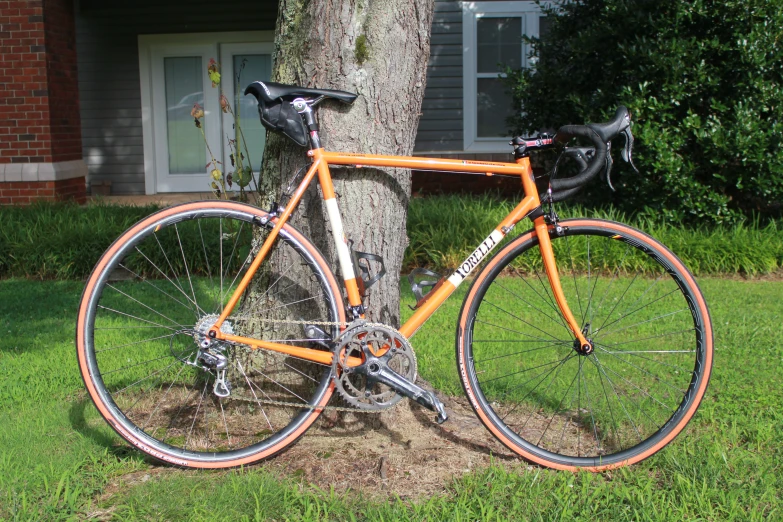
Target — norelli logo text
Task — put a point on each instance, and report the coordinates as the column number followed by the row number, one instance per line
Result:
column 476, row 257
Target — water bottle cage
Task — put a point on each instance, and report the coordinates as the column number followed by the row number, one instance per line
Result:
column 417, row 287
column 363, row 270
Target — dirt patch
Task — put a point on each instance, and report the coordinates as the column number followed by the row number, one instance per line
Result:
column 401, row 452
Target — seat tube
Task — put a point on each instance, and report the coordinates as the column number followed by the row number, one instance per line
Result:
column 340, row 240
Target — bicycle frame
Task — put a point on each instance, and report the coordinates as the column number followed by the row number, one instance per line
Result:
column 321, row 160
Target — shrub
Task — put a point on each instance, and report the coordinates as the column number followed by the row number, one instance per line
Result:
column 704, row 82
column 65, row 241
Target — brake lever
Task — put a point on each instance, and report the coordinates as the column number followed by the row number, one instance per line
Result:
column 627, row 153
column 609, row 164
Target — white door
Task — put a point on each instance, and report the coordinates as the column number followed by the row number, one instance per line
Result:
column 173, row 78
column 180, row 80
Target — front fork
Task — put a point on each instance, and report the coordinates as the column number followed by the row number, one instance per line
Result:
column 581, row 344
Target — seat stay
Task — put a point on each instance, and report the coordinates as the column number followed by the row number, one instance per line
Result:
column 264, row 250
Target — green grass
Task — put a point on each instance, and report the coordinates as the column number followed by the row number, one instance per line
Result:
column 444, row 230
column 57, row 458
column 64, row 241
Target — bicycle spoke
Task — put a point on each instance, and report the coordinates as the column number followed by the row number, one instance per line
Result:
column 138, row 318
column 157, row 404
column 597, row 363
column 172, row 321
column 513, row 331
column 173, row 272
column 230, row 259
column 136, row 342
column 144, row 280
column 573, row 273
column 610, row 332
column 225, row 424
column 195, row 416
column 655, row 377
column 185, row 262
column 280, row 385
column 518, row 353
column 554, row 377
column 592, row 416
column 557, row 410
column 552, row 303
column 614, row 276
column 135, row 365
column 204, row 250
column 631, row 313
column 520, row 319
column 520, row 371
column 250, row 387
column 197, row 309
column 495, row 282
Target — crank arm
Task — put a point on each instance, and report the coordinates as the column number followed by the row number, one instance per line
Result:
column 374, row 370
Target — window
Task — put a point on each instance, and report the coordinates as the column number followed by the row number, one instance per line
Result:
column 492, row 38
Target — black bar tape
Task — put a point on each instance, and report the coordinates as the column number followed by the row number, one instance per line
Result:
column 567, row 132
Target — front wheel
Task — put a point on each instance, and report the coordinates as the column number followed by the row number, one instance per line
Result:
column 550, row 402
column 143, row 321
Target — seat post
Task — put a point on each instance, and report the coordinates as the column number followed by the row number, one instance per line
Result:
column 303, row 108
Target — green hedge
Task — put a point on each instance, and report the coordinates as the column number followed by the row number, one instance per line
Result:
column 64, row 241
column 444, row 230
column 60, row 240
column 704, row 83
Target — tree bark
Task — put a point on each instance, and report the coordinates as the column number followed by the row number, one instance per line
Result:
column 379, row 50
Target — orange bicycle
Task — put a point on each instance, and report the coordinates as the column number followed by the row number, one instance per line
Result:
column 213, row 334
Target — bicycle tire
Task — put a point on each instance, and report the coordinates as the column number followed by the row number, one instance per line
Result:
column 579, row 428
column 134, row 289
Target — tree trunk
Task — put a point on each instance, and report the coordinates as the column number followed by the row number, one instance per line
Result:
column 379, row 50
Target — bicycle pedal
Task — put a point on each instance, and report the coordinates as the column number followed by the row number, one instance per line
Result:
column 442, row 415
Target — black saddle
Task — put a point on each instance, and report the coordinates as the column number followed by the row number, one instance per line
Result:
column 271, row 92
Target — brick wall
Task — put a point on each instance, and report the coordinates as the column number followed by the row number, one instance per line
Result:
column 23, row 192
column 39, row 101
column 63, row 83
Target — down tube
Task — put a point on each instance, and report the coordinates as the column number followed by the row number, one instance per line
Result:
column 438, row 296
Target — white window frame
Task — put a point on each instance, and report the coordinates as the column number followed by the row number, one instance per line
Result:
column 150, row 47
column 471, row 12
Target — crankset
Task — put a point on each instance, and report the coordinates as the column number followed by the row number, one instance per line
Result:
column 386, row 374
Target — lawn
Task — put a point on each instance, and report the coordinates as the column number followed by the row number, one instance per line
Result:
column 58, row 461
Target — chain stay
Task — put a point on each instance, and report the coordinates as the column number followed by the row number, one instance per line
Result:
column 358, row 322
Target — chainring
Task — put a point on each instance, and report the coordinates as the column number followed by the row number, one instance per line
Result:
column 383, row 344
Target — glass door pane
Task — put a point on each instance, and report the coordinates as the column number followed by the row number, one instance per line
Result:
column 249, row 68
column 184, row 87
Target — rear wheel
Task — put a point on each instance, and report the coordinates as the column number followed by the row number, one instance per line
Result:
column 146, row 310
column 550, row 402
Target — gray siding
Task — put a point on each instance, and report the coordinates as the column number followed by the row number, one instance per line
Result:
column 440, row 127
column 108, row 62
column 110, row 96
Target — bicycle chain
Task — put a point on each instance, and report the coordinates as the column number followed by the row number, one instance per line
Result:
column 357, row 322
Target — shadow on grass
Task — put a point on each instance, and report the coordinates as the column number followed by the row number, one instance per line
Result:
column 115, row 446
